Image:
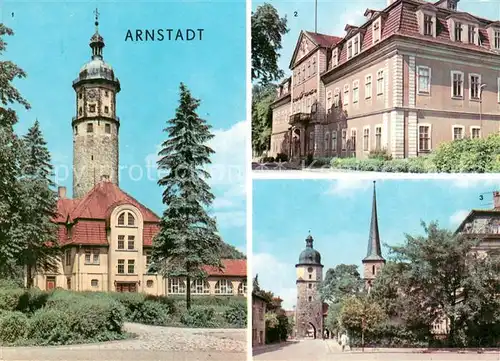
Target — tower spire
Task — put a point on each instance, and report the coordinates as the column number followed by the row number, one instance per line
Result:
column 374, row 252
column 96, row 41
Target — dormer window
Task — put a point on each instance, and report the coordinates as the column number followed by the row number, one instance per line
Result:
column 376, row 31
column 472, row 34
column 428, row 25
column 496, row 43
column 349, row 50
column 335, row 57
column 126, row 219
column 356, row 45
column 458, row 32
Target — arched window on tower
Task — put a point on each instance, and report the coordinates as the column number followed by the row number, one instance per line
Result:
column 80, row 111
column 121, row 219
column 131, row 219
column 373, row 270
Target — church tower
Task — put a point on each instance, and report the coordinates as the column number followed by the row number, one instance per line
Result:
column 309, row 309
column 95, row 125
column 373, row 262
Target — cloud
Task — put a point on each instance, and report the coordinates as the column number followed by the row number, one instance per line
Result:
column 457, row 217
column 276, row 276
column 231, row 219
column 351, row 15
column 347, row 188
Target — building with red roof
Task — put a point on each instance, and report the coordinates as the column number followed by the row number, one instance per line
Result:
column 415, row 74
column 106, row 234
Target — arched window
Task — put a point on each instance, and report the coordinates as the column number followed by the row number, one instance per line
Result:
column 373, row 269
column 128, row 217
column 200, row 287
column 242, row 288
column 224, row 287
column 149, row 283
column 176, row 286
column 334, row 141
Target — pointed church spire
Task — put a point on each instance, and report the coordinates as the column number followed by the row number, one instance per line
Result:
column 374, row 252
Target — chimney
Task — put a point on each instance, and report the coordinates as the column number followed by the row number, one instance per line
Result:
column 104, row 178
column 496, row 200
column 61, row 192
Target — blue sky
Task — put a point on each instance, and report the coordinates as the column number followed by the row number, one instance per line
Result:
column 51, row 44
column 333, row 15
column 338, row 215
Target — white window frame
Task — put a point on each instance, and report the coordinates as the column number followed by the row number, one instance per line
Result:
column 383, row 81
column 336, row 97
column 177, row 284
column 346, row 97
column 329, row 100
column 200, row 287
column 327, row 141
column 472, row 127
column 368, row 94
column 355, row 95
column 421, row 91
column 224, row 287
column 349, row 49
column 356, row 51
column 367, row 127
column 479, row 86
column 376, row 33
column 354, row 132
column 335, row 57
column 418, row 137
column 498, row 91
column 457, row 126
column 377, row 126
column 434, row 21
column 343, row 139
column 334, row 144
column 453, row 72
column 495, row 33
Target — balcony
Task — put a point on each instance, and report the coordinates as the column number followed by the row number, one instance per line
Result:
column 301, row 118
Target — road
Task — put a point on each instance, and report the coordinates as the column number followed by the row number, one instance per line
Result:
column 319, row 350
column 152, row 344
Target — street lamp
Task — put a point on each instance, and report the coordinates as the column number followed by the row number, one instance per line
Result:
column 481, row 106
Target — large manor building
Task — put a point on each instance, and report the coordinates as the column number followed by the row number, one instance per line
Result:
column 105, row 233
column 412, row 76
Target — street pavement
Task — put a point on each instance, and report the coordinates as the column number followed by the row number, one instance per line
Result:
column 329, row 350
column 153, row 343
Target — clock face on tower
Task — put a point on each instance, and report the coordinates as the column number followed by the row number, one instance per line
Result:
column 92, row 94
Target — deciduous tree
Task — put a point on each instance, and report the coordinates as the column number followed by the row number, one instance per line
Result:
column 267, row 31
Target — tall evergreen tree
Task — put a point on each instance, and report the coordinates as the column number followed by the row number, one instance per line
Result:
column 10, row 148
column 40, row 249
column 188, row 237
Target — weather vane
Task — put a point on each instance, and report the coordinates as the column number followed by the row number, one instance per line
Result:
column 96, row 12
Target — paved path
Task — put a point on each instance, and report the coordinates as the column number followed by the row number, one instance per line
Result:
column 319, row 350
column 153, row 343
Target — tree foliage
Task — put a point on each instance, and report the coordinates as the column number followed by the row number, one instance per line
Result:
column 440, row 275
column 188, row 237
column 10, row 147
column 360, row 313
column 262, row 116
column 340, row 282
column 267, row 31
column 40, row 248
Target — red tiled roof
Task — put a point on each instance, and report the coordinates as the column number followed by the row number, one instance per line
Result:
column 100, row 201
column 324, row 40
column 149, row 232
column 232, row 267
column 64, row 208
column 89, row 233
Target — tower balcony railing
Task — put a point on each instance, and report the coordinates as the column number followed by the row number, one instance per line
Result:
column 302, row 118
column 97, row 117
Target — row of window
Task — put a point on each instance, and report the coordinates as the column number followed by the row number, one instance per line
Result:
column 90, row 128
column 130, row 266
column 355, row 91
column 92, row 255
column 457, row 83
column 92, row 109
column 223, row 287
column 80, row 94
column 304, row 105
column 305, row 71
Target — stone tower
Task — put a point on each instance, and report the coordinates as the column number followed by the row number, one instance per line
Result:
column 373, row 262
column 95, row 125
column 309, row 310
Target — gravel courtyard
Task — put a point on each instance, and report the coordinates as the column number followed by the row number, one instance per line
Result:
column 153, row 343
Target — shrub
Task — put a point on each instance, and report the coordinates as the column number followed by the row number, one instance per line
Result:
column 9, row 298
column 32, row 300
column 13, row 326
column 282, row 157
column 380, row 154
column 371, row 165
column 267, row 160
column 396, row 166
column 345, row 163
column 236, row 315
column 198, row 316
column 50, row 327
column 167, row 302
column 320, row 162
column 130, row 300
column 152, row 313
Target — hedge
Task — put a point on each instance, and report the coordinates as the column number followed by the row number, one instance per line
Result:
column 460, row 156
